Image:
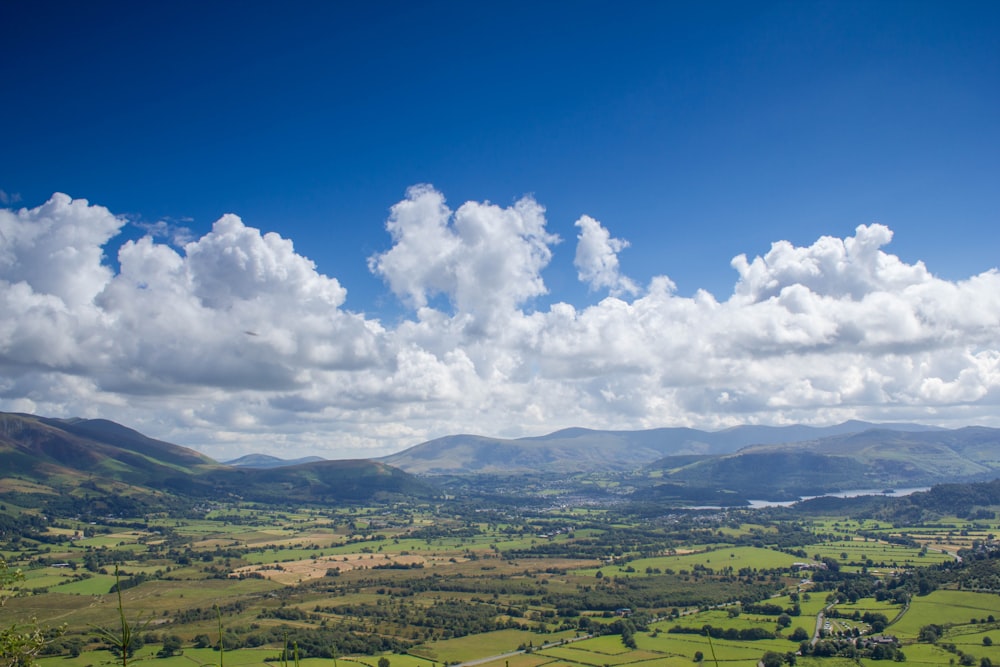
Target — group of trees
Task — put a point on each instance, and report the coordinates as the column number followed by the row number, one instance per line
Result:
column 775, row 659
column 875, row 649
column 734, row 634
column 20, row 642
column 934, row 633
column 399, row 612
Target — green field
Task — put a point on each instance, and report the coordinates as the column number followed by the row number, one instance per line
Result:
column 488, row 581
column 881, row 555
column 956, row 608
column 192, row 657
column 478, row 646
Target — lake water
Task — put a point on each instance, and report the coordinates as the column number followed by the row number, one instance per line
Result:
column 890, row 493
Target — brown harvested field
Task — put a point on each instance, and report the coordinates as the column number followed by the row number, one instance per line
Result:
column 322, row 539
column 314, row 568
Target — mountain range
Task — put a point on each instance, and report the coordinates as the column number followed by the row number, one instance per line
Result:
column 583, row 450
column 81, row 459
column 268, row 461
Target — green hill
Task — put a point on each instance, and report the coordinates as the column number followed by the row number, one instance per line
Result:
column 585, row 450
column 875, row 458
column 320, row 482
column 46, row 450
column 101, row 466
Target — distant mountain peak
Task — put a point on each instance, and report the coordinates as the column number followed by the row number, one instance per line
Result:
column 268, row 461
column 94, row 459
column 579, row 449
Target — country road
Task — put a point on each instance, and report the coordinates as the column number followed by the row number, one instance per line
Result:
column 502, row 656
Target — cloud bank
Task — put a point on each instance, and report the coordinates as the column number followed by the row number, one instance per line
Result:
column 235, row 342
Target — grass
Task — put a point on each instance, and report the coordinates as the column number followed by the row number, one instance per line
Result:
column 735, row 557
column 869, row 605
column 308, row 535
column 98, row 584
column 522, row 660
column 838, row 662
column 946, row 606
column 929, row 655
column 395, row 660
column 710, row 557
column 463, row 649
column 191, row 657
column 726, row 651
column 580, row 654
column 732, row 651
column 892, row 555
column 810, row 607
column 152, row 599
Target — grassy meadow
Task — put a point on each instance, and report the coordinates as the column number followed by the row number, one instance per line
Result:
column 427, row 586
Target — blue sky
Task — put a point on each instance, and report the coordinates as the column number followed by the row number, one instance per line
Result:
column 696, row 132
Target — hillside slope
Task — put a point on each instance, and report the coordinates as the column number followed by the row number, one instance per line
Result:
column 98, row 465
column 268, row 461
column 585, row 450
column 40, row 449
column 874, row 458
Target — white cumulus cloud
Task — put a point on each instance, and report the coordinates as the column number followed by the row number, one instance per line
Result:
column 236, row 342
column 485, row 259
column 596, row 258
